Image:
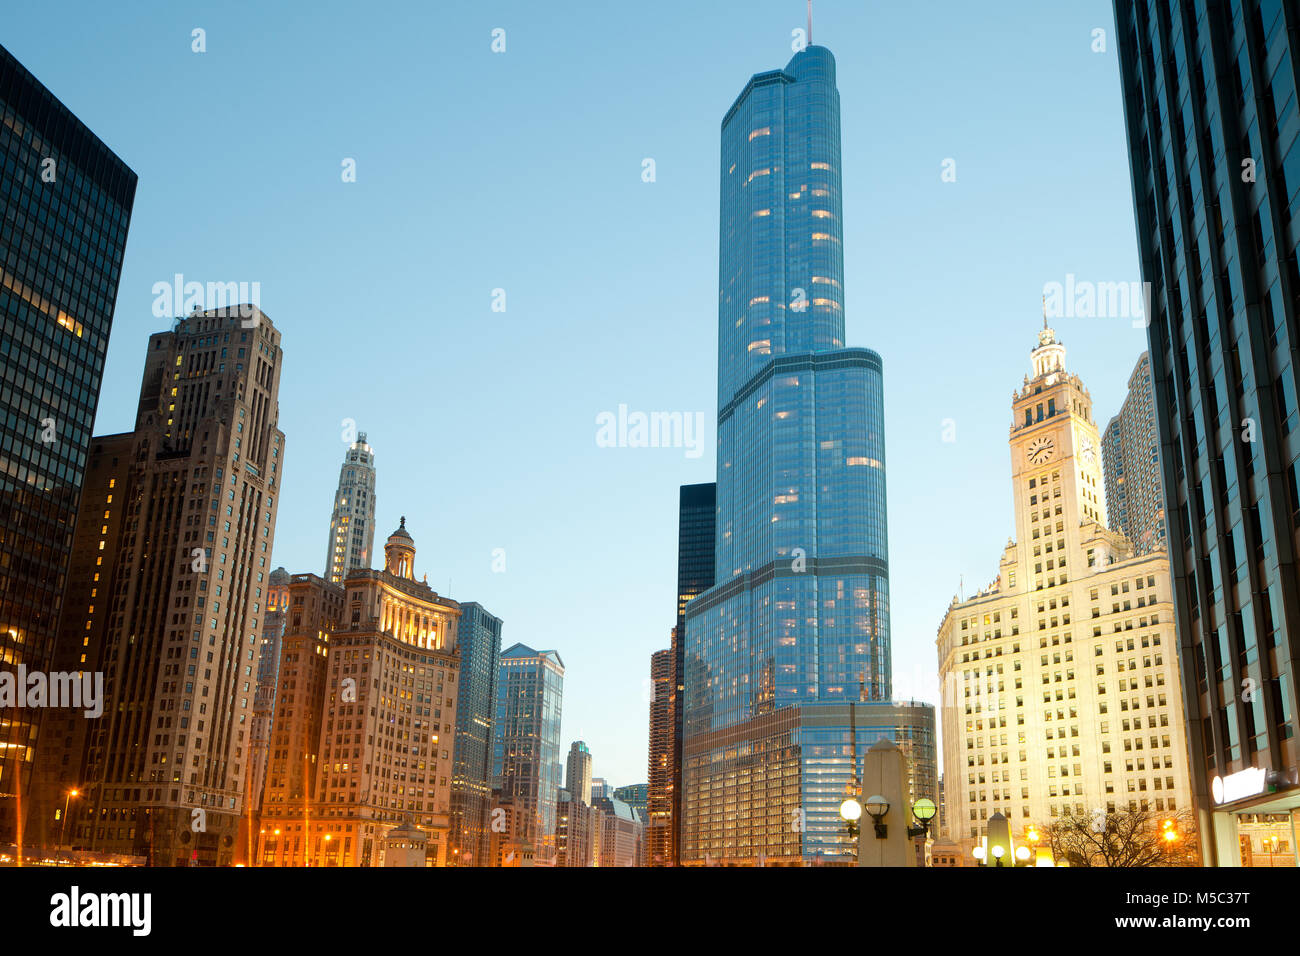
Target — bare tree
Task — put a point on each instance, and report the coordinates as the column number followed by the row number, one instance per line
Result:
column 1125, row 837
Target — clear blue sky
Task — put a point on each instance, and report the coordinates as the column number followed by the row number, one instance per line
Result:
column 522, row 171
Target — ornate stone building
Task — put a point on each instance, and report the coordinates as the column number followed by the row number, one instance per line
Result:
column 1060, row 680
column 387, row 719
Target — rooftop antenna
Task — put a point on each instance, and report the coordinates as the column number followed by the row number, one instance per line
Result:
column 810, row 22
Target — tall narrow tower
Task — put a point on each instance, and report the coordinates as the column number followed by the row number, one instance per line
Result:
column 352, row 526
column 798, row 614
column 1130, row 448
column 1053, row 424
column 479, row 641
column 578, row 772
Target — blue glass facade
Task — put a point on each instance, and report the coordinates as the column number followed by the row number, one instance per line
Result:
column 799, row 613
column 526, row 765
column 1210, row 101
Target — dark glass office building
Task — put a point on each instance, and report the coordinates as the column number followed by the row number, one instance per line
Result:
column 697, row 521
column 65, row 205
column 696, row 526
column 479, row 638
column 1214, row 139
column 799, row 612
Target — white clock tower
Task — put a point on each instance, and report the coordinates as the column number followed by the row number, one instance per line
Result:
column 1055, row 461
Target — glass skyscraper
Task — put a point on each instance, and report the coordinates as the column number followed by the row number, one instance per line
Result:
column 1210, row 103
column 65, row 204
column 352, row 524
column 1130, row 453
column 799, row 613
column 526, row 765
column 479, row 638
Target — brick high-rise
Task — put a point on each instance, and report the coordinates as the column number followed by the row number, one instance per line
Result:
column 382, row 688
column 313, row 613
column 174, row 542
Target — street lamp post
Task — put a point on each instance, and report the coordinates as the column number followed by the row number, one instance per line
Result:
column 1169, row 835
column 63, row 826
column 851, row 810
column 851, row 813
column 924, row 810
column 876, row 807
column 1031, row 839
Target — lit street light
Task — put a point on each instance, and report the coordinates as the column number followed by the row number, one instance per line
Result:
column 924, row 811
column 1169, row 833
column 63, row 825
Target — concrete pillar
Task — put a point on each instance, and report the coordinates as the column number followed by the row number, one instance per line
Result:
column 1227, row 842
column 999, row 837
column 884, row 774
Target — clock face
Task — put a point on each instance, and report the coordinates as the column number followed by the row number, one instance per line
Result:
column 1040, row 450
column 1088, row 450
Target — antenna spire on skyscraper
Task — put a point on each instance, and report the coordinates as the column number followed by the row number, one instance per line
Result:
column 810, row 22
